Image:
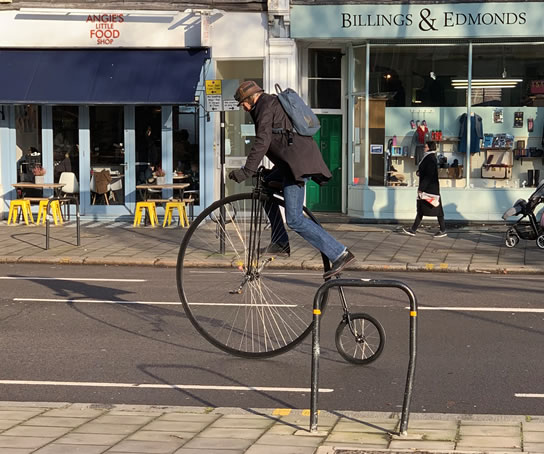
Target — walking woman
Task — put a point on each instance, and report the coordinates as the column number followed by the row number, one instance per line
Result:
column 429, row 202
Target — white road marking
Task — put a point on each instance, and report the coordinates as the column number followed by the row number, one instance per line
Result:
column 160, row 386
column 71, row 300
column 268, row 273
column 481, row 309
column 151, row 303
column 541, row 396
column 81, row 279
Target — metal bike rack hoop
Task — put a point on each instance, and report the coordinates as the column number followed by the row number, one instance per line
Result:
column 322, row 295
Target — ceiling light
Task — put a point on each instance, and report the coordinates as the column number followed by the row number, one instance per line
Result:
column 486, row 83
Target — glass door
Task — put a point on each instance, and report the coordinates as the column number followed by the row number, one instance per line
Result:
column 148, row 165
column 106, row 175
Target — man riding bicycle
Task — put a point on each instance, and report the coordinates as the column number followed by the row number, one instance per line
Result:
column 296, row 159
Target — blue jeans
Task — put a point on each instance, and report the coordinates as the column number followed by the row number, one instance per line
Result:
column 316, row 235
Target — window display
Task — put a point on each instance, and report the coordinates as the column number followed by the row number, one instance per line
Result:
column 28, row 134
column 419, row 93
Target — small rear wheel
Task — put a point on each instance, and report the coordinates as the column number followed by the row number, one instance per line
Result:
column 512, row 238
column 363, row 345
column 540, row 241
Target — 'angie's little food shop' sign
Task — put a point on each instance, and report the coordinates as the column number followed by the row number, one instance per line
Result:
column 105, row 27
column 49, row 28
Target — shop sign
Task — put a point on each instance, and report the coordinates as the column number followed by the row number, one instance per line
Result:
column 105, row 28
column 33, row 27
column 459, row 20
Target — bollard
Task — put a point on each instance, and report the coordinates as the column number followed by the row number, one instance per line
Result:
column 320, row 300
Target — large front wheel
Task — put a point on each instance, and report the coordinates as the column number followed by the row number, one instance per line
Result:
column 244, row 297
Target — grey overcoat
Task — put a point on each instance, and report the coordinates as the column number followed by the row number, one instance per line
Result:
column 302, row 158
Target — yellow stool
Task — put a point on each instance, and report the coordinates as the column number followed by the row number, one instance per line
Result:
column 24, row 206
column 55, row 212
column 169, row 210
column 140, row 212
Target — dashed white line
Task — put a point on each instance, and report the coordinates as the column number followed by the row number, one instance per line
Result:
column 151, row 303
column 160, row 386
column 480, row 309
column 77, row 279
column 540, row 396
column 73, row 300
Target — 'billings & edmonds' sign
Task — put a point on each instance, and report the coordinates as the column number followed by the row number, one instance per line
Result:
column 473, row 20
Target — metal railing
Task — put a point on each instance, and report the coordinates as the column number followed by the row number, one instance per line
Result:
column 321, row 296
column 48, row 214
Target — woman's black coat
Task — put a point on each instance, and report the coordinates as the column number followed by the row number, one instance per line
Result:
column 428, row 182
column 301, row 159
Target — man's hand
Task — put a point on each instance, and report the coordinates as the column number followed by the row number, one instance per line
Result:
column 240, row 175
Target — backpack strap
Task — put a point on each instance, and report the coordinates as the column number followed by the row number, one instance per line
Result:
column 278, row 88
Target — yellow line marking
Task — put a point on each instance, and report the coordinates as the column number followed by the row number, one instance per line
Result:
column 317, row 312
column 307, row 412
column 413, row 313
column 429, row 266
column 281, row 411
column 443, row 266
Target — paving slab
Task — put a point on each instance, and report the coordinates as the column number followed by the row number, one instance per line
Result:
column 218, row 443
column 472, row 441
column 147, row 447
column 71, row 449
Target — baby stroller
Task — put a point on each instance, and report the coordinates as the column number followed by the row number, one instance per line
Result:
column 531, row 230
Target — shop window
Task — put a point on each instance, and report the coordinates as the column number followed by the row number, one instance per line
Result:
column 412, row 100
column 325, row 78
column 507, row 97
column 28, row 130
column 359, row 119
column 107, row 179
column 65, row 140
column 186, row 152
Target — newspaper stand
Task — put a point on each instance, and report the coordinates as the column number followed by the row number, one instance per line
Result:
column 320, row 297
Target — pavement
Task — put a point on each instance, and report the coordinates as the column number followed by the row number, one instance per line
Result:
column 83, row 428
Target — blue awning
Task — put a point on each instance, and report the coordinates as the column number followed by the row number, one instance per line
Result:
column 89, row 76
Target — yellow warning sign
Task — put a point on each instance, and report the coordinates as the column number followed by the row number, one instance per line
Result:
column 213, row 87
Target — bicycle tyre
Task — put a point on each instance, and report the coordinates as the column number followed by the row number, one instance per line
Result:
column 266, row 319
column 369, row 347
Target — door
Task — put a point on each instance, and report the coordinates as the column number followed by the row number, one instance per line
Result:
column 329, row 141
column 104, row 174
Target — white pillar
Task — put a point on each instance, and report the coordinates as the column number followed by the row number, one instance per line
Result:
column 281, row 64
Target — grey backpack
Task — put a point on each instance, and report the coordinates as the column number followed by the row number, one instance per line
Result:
column 304, row 120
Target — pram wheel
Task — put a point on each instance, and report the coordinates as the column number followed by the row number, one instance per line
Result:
column 512, row 238
column 540, row 241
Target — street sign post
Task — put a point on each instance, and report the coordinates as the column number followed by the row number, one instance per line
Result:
column 220, row 98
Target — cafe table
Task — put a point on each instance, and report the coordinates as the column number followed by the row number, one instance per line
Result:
column 145, row 188
column 56, row 187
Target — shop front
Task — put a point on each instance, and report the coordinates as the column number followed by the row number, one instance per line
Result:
column 469, row 76
column 107, row 99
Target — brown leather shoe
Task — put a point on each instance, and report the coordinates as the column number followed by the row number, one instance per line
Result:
column 339, row 264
